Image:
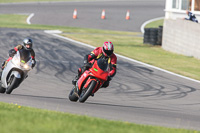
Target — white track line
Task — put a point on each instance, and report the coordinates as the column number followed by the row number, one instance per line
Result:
column 121, row 56
column 29, row 18
column 149, row 21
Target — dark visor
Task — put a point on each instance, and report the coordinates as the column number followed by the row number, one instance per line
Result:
column 108, row 52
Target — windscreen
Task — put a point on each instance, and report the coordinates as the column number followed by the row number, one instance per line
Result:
column 103, row 64
column 25, row 55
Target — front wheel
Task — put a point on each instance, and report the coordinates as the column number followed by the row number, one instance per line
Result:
column 72, row 95
column 87, row 92
column 13, row 83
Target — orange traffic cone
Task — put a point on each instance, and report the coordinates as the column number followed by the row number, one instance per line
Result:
column 103, row 14
column 127, row 15
column 75, row 14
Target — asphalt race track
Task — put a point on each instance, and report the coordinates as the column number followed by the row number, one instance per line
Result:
column 138, row 93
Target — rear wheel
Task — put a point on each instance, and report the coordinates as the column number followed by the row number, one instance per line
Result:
column 72, row 96
column 13, row 83
column 87, row 92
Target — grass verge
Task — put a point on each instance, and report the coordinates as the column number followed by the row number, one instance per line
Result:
column 19, row 119
column 155, row 24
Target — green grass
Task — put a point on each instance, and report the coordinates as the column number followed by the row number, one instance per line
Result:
column 155, row 24
column 129, row 44
column 19, row 119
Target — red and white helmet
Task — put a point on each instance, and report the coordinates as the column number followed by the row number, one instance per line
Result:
column 108, row 49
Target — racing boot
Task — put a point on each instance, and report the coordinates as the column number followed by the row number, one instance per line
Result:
column 77, row 77
column 2, row 67
column 75, row 80
column 1, row 73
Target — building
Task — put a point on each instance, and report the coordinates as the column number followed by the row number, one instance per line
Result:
column 181, row 36
column 177, row 8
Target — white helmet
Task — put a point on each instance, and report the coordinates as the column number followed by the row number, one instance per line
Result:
column 29, row 42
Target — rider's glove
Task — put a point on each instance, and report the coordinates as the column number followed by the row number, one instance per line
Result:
column 12, row 52
column 33, row 63
column 87, row 66
column 107, row 82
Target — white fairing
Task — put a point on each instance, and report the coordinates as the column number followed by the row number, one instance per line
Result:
column 16, row 74
column 15, row 67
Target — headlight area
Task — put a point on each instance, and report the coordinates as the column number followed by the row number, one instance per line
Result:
column 22, row 64
column 25, row 66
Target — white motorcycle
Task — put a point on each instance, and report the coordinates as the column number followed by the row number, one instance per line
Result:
column 15, row 71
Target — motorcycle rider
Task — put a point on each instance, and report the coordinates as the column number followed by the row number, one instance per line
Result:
column 191, row 16
column 105, row 51
column 27, row 44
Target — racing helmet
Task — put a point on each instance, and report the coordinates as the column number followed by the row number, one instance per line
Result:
column 29, row 42
column 108, row 49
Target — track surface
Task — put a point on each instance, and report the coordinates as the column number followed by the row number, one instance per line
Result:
column 89, row 13
column 137, row 93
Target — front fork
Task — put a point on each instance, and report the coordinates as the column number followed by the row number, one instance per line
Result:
column 78, row 91
column 97, row 85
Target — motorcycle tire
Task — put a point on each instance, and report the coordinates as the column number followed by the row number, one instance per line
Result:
column 2, row 90
column 72, row 96
column 14, row 83
column 86, row 93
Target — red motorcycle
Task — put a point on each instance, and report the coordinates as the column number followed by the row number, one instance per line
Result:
column 90, row 81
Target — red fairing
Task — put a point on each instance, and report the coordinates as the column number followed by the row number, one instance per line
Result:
column 82, row 78
column 98, row 72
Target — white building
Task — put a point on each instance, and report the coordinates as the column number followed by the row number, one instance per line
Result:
column 177, row 8
column 179, row 35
